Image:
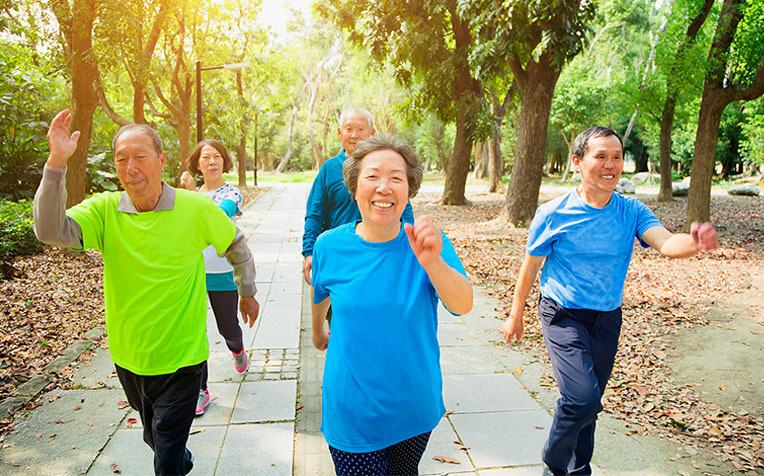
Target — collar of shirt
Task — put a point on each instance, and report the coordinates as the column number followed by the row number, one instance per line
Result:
column 166, row 201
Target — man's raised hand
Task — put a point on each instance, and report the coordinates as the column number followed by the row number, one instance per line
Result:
column 62, row 146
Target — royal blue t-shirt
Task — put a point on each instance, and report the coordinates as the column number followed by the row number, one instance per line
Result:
column 382, row 379
column 587, row 249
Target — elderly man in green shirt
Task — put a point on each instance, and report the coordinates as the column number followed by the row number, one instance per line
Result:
column 151, row 238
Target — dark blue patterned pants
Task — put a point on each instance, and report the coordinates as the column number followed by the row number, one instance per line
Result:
column 400, row 459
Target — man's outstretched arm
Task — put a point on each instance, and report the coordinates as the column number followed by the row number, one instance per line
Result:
column 702, row 237
column 51, row 225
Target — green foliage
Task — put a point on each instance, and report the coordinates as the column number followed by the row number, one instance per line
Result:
column 748, row 47
column 17, row 236
column 753, row 132
column 24, row 92
column 525, row 30
column 101, row 174
column 730, row 136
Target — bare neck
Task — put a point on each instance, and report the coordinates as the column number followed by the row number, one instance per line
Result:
column 594, row 198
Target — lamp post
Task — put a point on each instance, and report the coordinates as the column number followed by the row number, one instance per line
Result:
column 199, row 69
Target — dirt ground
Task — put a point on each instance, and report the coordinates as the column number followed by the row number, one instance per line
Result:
column 725, row 357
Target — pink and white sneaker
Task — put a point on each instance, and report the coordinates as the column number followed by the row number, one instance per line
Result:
column 241, row 361
column 202, row 402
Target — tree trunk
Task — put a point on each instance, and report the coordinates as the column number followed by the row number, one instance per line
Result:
column 536, row 82
column 667, row 123
column 481, row 159
column 718, row 92
column 467, row 94
column 290, row 136
column 702, row 171
column 427, row 162
column 667, row 117
column 495, row 164
column 83, row 69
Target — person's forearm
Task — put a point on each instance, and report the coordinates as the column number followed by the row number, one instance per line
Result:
column 51, row 224
column 318, row 312
column 679, row 245
column 525, row 280
column 454, row 290
column 243, row 263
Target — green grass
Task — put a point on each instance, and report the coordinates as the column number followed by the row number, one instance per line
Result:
column 273, row 177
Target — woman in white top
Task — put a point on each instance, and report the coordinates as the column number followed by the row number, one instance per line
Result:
column 210, row 159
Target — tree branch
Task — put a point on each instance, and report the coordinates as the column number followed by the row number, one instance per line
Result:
column 104, row 103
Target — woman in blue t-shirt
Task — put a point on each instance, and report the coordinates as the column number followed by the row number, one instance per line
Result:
column 382, row 385
column 210, row 159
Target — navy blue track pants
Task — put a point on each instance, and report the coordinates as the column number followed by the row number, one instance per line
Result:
column 582, row 346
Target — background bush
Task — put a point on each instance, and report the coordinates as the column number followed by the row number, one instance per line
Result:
column 16, row 233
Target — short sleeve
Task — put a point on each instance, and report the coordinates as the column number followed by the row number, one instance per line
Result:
column 89, row 215
column 646, row 219
column 448, row 253
column 220, row 229
column 540, row 237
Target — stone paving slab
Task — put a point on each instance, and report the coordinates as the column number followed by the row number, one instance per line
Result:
column 485, row 393
column 220, row 367
column 441, row 443
column 458, row 360
column 76, row 423
column 265, row 401
column 222, row 401
column 452, row 334
column 498, row 439
column 257, row 450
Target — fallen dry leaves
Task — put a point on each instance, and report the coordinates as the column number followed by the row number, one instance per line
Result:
column 660, row 296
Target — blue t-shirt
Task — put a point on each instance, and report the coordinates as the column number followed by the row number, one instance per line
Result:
column 330, row 204
column 382, row 379
column 587, row 249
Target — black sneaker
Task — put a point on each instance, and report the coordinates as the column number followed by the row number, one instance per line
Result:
column 189, row 463
column 551, row 472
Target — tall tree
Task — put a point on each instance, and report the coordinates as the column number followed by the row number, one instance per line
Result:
column 76, row 21
column 734, row 72
column 428, row 44
column 539, row 37
column 178, row 100
column 135, row 27
column 675, row 79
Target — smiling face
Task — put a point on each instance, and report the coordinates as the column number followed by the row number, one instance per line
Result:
column 355, row 128
column 600, row 167
column 139, row 167
column 382, row 191
column 211, row 164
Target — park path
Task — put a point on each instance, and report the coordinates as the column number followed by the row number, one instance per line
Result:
column 266, row 421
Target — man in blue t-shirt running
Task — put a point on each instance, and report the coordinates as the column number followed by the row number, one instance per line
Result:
column 587, row 238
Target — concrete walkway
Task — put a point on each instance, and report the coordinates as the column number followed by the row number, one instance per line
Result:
column 266, row 421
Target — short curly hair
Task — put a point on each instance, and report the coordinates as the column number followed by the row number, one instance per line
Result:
column 192, row 163
column 351, row 168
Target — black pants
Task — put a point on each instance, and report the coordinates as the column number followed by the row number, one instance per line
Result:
column 582, row 346
column 225, row 304
column 166, row 404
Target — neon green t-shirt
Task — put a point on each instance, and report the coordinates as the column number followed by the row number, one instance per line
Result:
column 153, row 277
